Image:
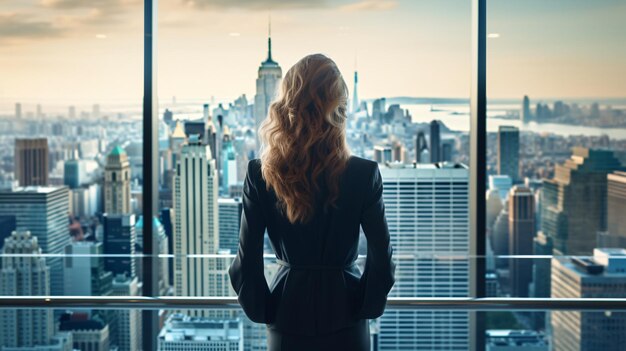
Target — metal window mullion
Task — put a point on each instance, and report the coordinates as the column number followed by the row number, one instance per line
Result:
column 149, row 318
column 478, row 166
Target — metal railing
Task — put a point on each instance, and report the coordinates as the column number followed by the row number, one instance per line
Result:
column 394, row 303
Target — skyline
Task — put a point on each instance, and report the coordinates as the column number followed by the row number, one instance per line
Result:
column 395, row 53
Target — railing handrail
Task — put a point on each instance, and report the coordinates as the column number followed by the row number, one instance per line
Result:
column 393, row 303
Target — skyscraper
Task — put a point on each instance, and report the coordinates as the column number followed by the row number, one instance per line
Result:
column 31, row 161
column 433, row 237
column 574, row 205
column 435, row 142
column 603, row 276
column 44, row 212
column 24, row 276
column 120, row 239
column 230, row 219
column 526, row 116
column 128, row 321
column 508, row 152
column 382, row 153
column 18, row 111
column 117, row 182
column 521, row 234
column 355, row 94
column 197, row 225
column 229, row 163
column 84, row 270
column 421, row 145
column 270, row 75
column 615, row 235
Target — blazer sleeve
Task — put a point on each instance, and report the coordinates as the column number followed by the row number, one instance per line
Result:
column 246, row 271
column 378, row 276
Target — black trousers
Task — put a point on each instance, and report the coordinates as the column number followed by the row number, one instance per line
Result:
column 355, row 338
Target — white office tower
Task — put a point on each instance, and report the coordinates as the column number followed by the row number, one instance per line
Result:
column 128, row 320
column 25, row 275
column 184, row 333
column 267, row 83
column 428, row 216
column 196, row 231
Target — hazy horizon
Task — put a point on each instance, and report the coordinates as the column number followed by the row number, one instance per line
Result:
column 73, row 51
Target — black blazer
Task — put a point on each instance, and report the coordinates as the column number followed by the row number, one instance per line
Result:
column 318, row 288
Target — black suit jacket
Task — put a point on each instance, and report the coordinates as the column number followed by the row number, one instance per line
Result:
column 317, row 289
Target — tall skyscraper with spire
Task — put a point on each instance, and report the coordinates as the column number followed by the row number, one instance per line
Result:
column 267, row 82
column 117, row 182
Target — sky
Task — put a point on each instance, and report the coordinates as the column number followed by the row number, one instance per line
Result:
column 89, row 51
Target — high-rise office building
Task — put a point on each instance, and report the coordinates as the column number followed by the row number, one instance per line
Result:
column 427, row 213
column 74, row 173
column 526, row 116
column 521, row 234
column 197, row 225
column 435, row 142
column 117, row 182
column 163, row 267
column 230, row 210
column 44, row 212
column 267, row 83
column 184, row 333
column 26, row 275
column 615, row 235
column 18, row 111
column 229, row 163
column 120, row 239
column 71, row 112
column 31, row 161
column 421, row 147
column 508, row 152
column 574, row 202
column 84, row 270
column 379, row 107
column 127, row 329
column 603, row 276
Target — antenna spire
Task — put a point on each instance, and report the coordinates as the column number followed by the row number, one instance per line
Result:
column 269, row 38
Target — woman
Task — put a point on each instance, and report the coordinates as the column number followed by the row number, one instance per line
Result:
column 312, row 196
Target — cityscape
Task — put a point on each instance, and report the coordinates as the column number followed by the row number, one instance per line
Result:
column 71, row 223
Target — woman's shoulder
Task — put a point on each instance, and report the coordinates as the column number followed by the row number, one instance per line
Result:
column 359, row 164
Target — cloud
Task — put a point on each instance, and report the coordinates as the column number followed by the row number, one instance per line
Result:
column 370, row 5
column 253, row 4
column 15, row 26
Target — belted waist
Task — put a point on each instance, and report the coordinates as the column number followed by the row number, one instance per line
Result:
column 313, row 267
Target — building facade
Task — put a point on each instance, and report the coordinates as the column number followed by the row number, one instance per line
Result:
column 117, row 182
column 508, row 152
column 44, row 212
column 31, row 161
column 428, row 217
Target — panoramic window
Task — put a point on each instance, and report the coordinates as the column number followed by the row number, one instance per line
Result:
column 72, row 167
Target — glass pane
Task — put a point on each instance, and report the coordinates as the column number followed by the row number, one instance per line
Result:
column 406, row 64
column 70, row 157
column 555, row 160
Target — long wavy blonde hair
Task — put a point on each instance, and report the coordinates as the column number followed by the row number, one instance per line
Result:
column 304, row 137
